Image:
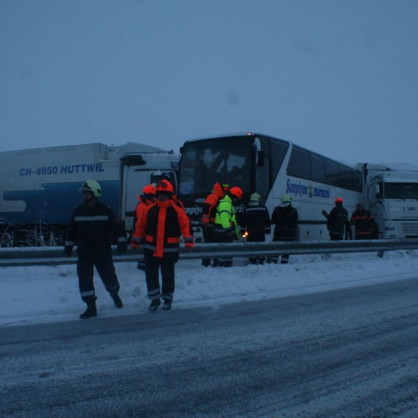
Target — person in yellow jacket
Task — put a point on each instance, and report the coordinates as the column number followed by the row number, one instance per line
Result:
column 225, row 226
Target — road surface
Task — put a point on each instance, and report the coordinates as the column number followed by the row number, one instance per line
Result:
column 345, row 353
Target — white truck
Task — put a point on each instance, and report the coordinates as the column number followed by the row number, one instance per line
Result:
column 391, row 194
column 39, row 187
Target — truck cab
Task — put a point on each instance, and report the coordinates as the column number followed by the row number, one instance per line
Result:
column 392, row 197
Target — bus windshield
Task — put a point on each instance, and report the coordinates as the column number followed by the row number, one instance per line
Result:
column 205, row 162
column 401, row 190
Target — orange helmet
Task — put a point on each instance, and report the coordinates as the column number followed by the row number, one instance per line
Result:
column 164, row 186
column 149, row 190
column 339, row 200
column 236, row 192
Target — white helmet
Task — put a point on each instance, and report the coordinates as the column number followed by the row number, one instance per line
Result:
column 255, row 197
column 91, row 186
column 285, row 198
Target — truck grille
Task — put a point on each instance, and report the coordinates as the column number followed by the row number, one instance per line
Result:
column 410, row 228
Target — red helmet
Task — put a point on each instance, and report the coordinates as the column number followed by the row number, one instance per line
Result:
column 149, row 189
column 164, row 186
column 339, row 200
column 236, row 192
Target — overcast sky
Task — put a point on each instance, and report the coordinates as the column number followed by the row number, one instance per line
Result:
column 339, row 77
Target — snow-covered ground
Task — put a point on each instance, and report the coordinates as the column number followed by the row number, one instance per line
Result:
column 50, row 294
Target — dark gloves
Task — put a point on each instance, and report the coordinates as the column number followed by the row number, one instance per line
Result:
column 122, row 247
column 136, row 242
column 188, row 242
column 68, row 249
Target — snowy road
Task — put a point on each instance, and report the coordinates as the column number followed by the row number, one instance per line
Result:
column 345, row 353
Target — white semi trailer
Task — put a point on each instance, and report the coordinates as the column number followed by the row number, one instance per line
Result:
column 39, row 187
column 391, row 194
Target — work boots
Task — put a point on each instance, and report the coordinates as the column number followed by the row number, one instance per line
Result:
column 116, row 300
column 167, row 305
column 155, row 303
column 90, row 311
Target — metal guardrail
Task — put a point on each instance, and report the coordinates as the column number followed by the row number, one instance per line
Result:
column 32, row 256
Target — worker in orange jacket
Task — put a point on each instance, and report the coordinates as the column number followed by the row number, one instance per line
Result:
column 144, row 200
column 158, row 231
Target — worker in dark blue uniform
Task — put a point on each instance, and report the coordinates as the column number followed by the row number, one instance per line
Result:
column 92, row 229
column 255, row 220
column 285, row 219
column 363, row 221
column 337, row 221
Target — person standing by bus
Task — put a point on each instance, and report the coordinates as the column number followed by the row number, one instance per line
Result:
column 92, row 228
column 363, row 222
column 144, row 200
column 225, row 226
column 208, row 215
column 256, row 221
column 285, row 220
column 337, row 221
column 159, row 231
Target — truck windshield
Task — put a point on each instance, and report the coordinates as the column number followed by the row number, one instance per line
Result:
column 401, row 190
column 203, row 163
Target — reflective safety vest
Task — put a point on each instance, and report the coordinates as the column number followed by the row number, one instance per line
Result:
column 225, row 215
column 160, row 228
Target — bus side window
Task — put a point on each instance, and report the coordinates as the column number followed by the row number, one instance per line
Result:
column 299, row 163
column 260, row 158
column 317, row 168
column 262, row 178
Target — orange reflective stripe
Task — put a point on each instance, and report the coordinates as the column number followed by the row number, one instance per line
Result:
column 173, row 240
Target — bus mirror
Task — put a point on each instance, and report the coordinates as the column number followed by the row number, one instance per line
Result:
column 378, row 191
column 260, row 158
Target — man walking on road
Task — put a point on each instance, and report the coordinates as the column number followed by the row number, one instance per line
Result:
column 92, row 228
column 158, row 231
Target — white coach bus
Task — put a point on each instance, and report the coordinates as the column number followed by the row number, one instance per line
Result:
column 270, row 167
